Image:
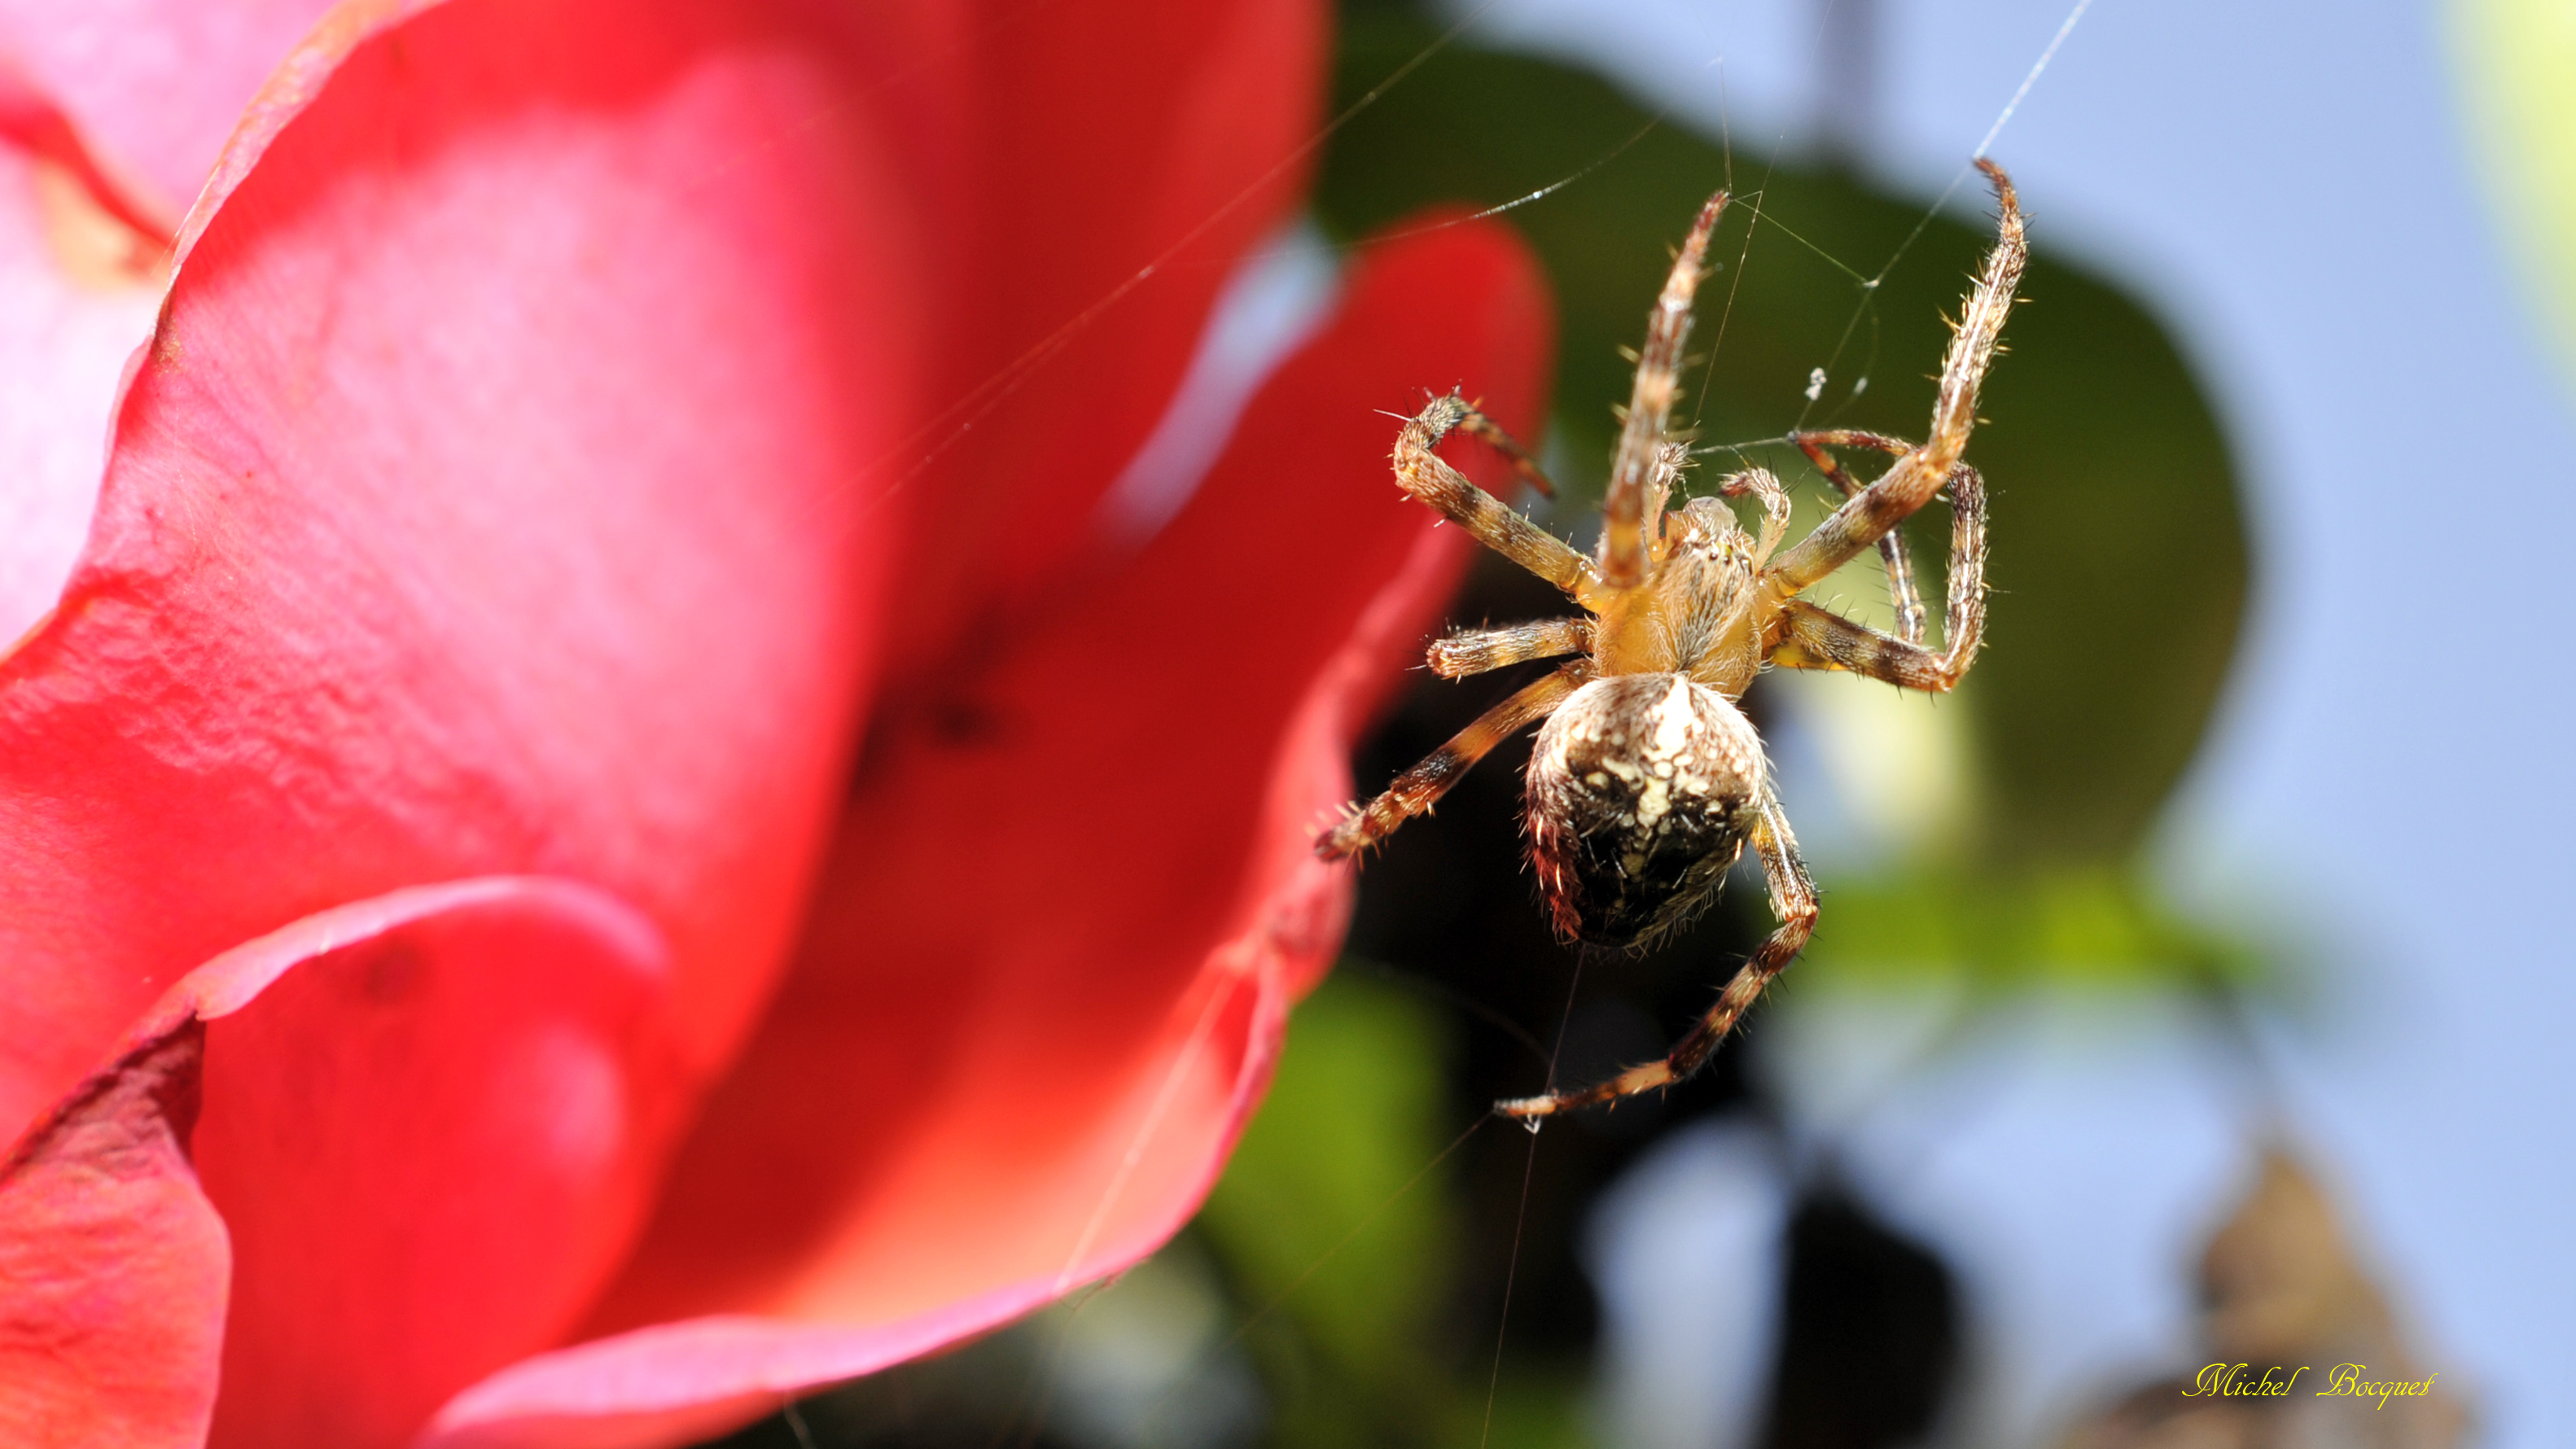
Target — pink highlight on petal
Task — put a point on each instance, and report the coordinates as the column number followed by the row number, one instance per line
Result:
column 236, row 978
column 675, row 1383
column 66, row 330
column 153, row 86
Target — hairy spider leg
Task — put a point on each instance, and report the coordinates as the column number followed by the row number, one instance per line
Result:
column 1891, row 545
column 1814, row 638
column 1639, row 465
column 1475, row 651
column 1793, row 900
column 1476, row 423
column 1417, row 789
column 1429, row 479
column 1903, row 489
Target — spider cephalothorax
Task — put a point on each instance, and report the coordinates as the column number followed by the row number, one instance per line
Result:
column 1646, row 782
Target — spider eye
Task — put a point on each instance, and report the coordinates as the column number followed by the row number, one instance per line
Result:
column 1642, row 788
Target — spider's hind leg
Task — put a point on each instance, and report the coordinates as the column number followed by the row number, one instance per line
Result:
column 1814, row 638
column 1418, row 789
column 1891, row 544
column 1793, row 898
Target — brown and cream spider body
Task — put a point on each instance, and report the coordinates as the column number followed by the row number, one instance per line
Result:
column 1647, row 781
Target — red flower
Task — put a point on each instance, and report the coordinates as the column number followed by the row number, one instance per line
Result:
column 572, row 426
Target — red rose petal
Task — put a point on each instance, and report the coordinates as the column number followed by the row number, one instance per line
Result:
column 482, row 509
column 1068, row 911
column 1117, row 172
column 115, row 1265
column 431, row 1123
column 431, row 1142
column 681, row 1382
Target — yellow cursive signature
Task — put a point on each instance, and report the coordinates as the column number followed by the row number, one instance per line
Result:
column 2346, row 1382
column 2228, row 1381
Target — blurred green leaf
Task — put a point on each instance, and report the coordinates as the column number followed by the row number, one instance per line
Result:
column 1327, row 1219
column 2080, row 925
column 1531, row 1410
column 1353, row 1114
column 2119, row 557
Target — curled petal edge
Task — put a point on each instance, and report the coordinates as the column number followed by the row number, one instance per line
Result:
column 120, row 1260
column 675, row 1382
column 297, row 81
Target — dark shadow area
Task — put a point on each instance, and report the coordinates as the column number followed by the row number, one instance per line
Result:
column 1869, row 1332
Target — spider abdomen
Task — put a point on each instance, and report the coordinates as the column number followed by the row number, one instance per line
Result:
column 1642, row 789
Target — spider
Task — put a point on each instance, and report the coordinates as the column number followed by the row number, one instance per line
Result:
column 1646, row 781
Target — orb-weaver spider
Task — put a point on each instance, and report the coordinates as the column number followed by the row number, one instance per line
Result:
column 1647, row 781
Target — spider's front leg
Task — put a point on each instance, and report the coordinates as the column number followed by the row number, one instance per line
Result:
column 1418, row 789
column 1641, row 471
column 1481, row 426
column 1429, row 478
column 1793, row 899
column 1903, row 489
